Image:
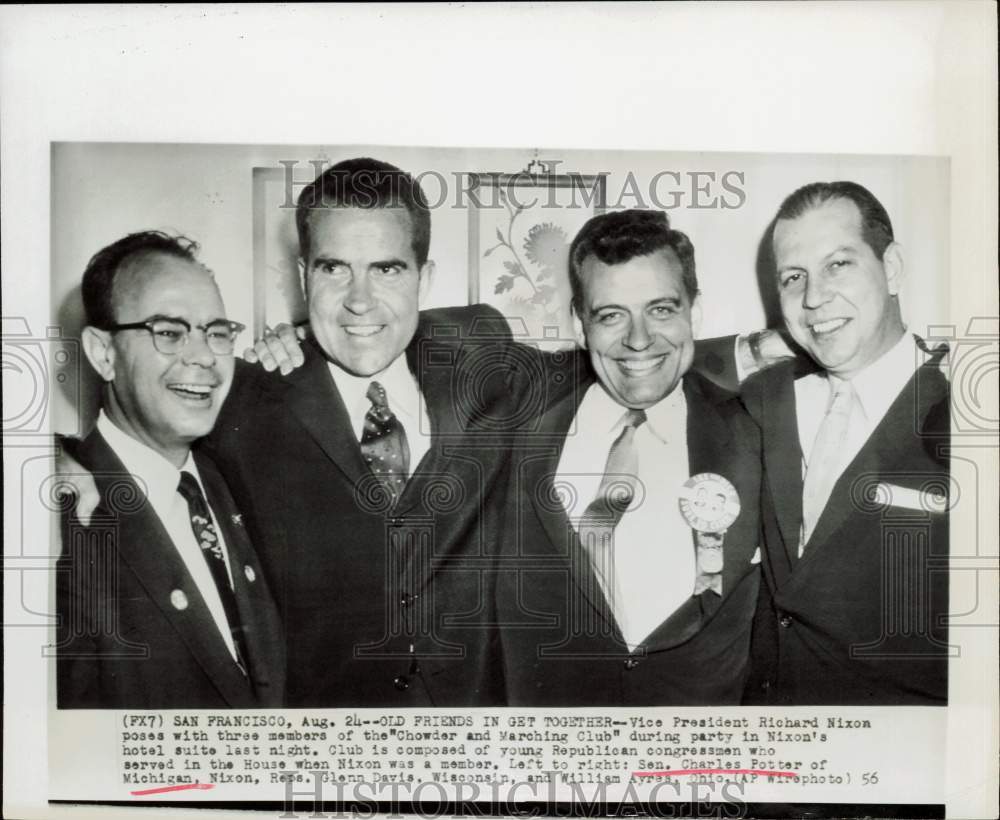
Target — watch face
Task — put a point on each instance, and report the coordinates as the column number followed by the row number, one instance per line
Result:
column 709, row 503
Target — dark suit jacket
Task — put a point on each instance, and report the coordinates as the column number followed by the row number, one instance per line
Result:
column 859, row 618
column 122, row 642
column 381, row 607
column 561, row 645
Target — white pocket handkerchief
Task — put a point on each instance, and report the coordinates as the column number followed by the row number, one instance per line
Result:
column 756, row 557
column 895, row 496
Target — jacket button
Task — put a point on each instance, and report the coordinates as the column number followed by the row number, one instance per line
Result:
column 402, row 683
column 406, row 600
column 785, row 621
column 631, row 663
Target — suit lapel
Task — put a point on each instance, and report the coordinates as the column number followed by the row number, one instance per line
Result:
column 710, row 450
column 445, row 415
column 897, row 431
column 144, row 545
column 258, row 614
column 313, row 398
column 538, row 483
column 782, row 456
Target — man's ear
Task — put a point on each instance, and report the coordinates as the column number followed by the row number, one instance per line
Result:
column 892, row 262
column 426, row 275
column 696, row 316
column 581, row 337
column 100, row 351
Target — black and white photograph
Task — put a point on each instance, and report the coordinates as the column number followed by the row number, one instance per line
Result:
column 505, row 470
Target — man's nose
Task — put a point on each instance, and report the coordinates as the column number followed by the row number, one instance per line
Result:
column 817, row 291
column 359, row 295
column 196, row 350
column 638, row 337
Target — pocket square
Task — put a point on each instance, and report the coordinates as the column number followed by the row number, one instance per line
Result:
column 756, row 556
column 925, row 500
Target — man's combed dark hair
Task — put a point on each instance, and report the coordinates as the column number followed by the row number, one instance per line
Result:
column 98, row 285
column 366, row 183
column 876, row 227
column 617, row 237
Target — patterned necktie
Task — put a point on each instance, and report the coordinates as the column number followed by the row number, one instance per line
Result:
column 211, row 550
column 383, row 444
column 615, row 494
column 825, row 458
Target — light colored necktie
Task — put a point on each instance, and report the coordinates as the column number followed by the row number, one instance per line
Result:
column 615, row 494
column 826, row 457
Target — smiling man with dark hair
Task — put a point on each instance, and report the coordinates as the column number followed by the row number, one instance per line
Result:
column 642, row 610
column 161, row 600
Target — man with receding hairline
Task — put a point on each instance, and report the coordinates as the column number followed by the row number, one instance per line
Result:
column 869, row 421
column 161, row 599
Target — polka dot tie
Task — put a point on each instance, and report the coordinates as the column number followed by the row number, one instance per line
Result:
column 383, row 443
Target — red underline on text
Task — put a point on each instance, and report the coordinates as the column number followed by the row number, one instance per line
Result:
column 762, row 772
column 178, row 788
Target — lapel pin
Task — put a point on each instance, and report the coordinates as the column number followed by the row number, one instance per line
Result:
column 249, row 573
column 237, row 519
column 179, row 599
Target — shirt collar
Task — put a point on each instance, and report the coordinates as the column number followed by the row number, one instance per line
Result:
column 158, row 476
column 598, row 411
column 400, row 387
column 877, row 386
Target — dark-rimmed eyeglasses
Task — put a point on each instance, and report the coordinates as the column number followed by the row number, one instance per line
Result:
column 171, row 335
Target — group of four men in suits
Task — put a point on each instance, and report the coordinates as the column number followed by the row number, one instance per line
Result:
column 444, row 517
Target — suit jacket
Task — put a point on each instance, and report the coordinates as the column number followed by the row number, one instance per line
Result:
column 859, row 618
column 561, row 644
column 382, row 607
column 134, row 631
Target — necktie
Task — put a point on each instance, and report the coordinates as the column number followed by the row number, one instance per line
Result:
column 211, row 550
column 383, row 444
column 614, row 495
column 825, row 458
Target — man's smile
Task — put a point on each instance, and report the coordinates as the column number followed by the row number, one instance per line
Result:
column 363, row 330
column 195, row 392
column 641, row 366
column 827, row 328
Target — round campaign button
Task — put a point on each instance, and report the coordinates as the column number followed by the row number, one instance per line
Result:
column 709, row 502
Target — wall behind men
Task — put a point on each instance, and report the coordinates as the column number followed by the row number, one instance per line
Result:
column 724, row 202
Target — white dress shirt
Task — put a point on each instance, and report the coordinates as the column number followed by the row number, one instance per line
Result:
column 160, row 479
column 654, row 554
column 403, row 396
column 876, row 388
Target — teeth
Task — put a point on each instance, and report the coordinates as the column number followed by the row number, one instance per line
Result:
column 199, row 389
column 640, row 366
column 828, row 326
column 362, row 330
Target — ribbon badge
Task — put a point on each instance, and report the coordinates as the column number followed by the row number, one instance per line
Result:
column 710, row 505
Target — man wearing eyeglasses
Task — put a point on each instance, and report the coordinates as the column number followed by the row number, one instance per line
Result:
column 161, row 598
